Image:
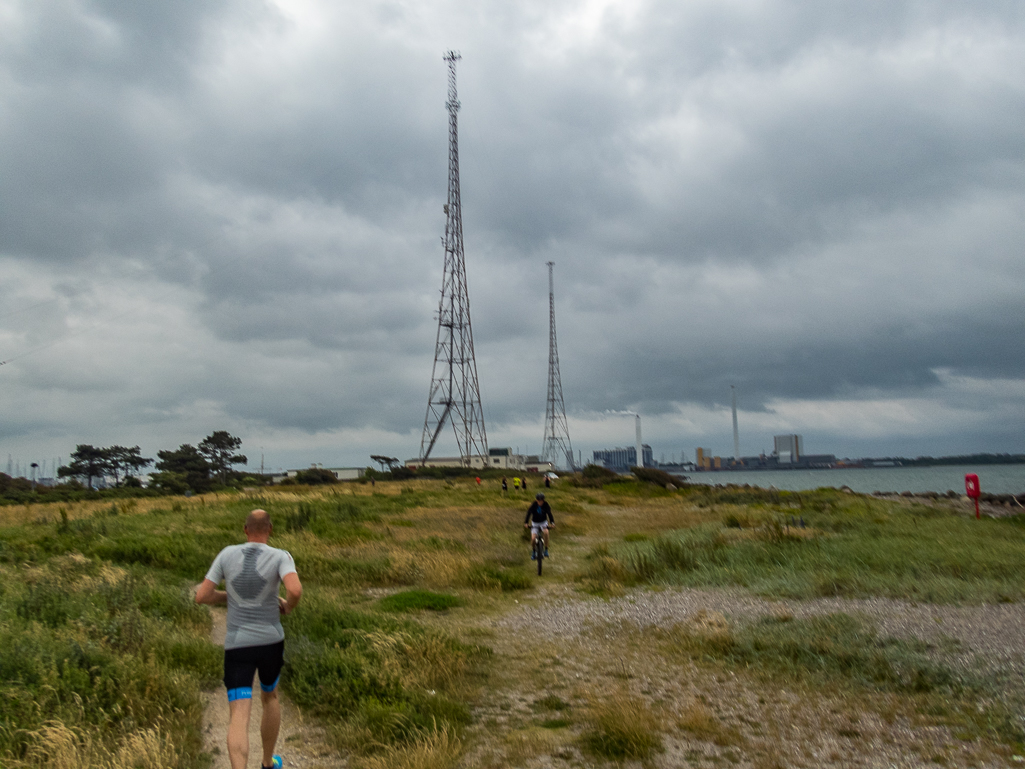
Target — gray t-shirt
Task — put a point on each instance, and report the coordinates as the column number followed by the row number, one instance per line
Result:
column 251, row 575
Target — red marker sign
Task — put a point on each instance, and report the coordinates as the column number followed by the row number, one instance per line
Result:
column 972, row 489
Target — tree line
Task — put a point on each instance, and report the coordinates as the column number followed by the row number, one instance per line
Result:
column 197, row 468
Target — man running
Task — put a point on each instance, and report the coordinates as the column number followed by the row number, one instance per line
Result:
column 255, row 640
column 539, row 514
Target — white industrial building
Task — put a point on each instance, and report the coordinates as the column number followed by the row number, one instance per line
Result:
column 498, row 459
column 787, row 448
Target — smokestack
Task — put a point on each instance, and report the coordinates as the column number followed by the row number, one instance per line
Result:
column 640, row 453
column 736, row 432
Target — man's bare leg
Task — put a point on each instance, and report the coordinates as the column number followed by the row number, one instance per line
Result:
column 270, row 723
column 546, row 539
column 238, row 732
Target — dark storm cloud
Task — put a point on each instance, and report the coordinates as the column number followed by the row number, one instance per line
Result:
column 793, row 197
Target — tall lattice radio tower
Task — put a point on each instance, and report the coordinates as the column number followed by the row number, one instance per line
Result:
column 455, row 392
column 556, row 445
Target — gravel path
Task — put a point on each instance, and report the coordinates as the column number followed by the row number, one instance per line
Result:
column 990, row 634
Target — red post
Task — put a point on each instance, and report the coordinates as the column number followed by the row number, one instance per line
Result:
column 972, row 489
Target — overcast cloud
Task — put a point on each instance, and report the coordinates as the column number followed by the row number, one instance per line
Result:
column 218, row 214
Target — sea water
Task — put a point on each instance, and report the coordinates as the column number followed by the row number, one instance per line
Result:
column 994, row 479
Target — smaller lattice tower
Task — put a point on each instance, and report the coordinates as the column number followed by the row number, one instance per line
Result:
column 556, row 446
column 455, row 392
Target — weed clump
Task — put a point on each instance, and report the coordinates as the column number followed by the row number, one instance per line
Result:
column 604, row 574
column 623, row 727
column 697, row 719
column 434, row 748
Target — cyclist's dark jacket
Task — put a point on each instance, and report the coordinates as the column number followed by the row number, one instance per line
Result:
column 539, row 513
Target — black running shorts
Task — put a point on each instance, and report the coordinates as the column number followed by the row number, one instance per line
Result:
column 240, row 665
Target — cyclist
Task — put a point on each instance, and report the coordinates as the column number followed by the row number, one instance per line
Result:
column 539, row 519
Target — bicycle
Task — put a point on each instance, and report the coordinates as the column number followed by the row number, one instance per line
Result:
column 539, row 550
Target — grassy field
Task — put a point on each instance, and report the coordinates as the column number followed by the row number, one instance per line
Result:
column 103, row 655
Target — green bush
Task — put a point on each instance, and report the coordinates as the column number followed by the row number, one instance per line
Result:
column 656, row 476
column 595, row 476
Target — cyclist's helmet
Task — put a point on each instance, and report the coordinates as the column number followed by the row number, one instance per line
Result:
column 539, row 496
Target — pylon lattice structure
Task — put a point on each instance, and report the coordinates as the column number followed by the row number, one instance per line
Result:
column 556, row 445
column 455, row 392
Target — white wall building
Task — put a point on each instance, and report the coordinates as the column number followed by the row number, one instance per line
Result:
column 498, row 459
column 787, row 448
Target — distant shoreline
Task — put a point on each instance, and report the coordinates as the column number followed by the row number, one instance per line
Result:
column 1003, row 478
column 864, row 463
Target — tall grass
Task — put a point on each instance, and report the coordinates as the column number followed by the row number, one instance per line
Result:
column 849, row 546
column 388, row 681
column 101, row 667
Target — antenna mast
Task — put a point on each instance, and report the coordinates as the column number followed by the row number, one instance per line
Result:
column 455, row 392
column 556, row 445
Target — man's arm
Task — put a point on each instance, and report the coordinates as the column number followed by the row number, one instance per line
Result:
column 207, row 592
column 293, row 592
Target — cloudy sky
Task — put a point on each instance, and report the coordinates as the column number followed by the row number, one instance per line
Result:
column 226, row 214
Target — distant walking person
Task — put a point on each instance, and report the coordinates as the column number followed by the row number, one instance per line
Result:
column 516, row 483
column 255, row 641
column 505, row 486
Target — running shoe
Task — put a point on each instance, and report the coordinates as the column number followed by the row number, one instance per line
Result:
column 275, row 763
column 533, row 555
column 546, row 554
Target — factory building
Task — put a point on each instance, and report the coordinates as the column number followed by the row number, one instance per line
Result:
column 497, row 459
column 787, row 449
column 620, row 459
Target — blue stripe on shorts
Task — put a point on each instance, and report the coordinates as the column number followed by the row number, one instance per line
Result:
column 272, row 687
column 241, row 693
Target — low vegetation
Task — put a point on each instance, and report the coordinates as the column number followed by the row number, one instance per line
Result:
column 103, row 655
column 845, row 652
column 419, row 600
column 823, row 543
column 102, row 665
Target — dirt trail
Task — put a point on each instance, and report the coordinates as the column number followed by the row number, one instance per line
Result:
column 591, row 649
column 301, row 743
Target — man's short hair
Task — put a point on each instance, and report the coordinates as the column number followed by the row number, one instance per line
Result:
column 258, row 521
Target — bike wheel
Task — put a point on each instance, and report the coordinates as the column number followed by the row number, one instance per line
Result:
column 539, row 548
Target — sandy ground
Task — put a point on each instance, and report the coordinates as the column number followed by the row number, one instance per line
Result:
column 301, row 742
